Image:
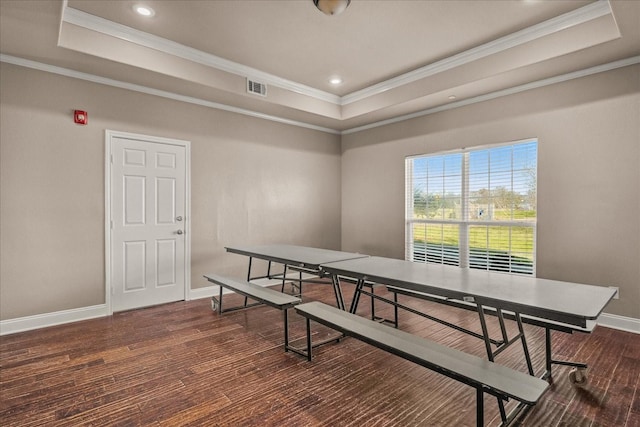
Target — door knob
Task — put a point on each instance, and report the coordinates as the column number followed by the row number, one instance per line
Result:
column 179, row 218
column 179, row 232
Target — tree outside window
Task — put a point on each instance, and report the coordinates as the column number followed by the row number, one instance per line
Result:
column 474, row 208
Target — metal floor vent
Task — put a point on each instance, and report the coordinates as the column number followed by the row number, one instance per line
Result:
column 256, row 88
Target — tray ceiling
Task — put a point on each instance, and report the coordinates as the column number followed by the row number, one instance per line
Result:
column 395, row 58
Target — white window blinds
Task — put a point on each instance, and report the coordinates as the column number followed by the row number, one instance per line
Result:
column 474, row 208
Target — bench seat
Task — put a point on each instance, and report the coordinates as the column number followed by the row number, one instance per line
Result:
column 483, row 375
column 258, row 293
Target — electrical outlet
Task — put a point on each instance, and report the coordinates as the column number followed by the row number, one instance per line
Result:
column 617, row 294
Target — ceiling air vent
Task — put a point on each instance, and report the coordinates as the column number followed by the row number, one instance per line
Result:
column 256, row 88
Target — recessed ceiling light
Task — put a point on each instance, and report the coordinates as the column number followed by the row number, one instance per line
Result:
column 335, row 80
column 144, row 10
column 452, row 97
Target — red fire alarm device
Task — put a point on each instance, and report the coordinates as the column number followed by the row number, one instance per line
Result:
column 80, row 117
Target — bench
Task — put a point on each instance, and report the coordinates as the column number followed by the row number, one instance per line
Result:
column 258, row 293
column 576, row 376
column 481, row 374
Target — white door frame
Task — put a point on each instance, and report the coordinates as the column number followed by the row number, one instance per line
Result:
column 109, row 135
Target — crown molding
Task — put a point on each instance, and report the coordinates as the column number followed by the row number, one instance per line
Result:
column 568, row 20
column 546, row 28
column 123, row 32
column 169, row 95
column 505, row 92
column 156, row 92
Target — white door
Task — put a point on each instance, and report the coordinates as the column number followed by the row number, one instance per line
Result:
column 148, row 216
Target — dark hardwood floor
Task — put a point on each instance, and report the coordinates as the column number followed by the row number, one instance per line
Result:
column 182, row 364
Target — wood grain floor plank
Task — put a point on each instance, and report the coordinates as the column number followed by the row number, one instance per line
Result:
column 183, row 365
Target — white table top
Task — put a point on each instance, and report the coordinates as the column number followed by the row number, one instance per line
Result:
column 564, row 302
column 300, row 256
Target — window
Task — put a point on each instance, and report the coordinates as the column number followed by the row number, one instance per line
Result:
column 474, row 208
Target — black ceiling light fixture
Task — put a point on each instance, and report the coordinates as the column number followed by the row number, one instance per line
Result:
column 331, row 7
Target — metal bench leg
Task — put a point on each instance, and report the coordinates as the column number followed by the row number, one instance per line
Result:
column 248, row 278
column 220, row 301
column 503, row 328
column 525, row 348
column 485, row 332
column 309, row 346
column 395, row 309
column 300, row 284
column 487, row 343
column 479, row 407
column 286, row 330
column 550, row 361
column 284, row 277
column 356, row 296
column 373, row 304
column 249, row 269
column 337, row 290
column 547, row 346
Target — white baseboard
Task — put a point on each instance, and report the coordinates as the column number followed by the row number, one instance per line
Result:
column 28, row 323
column 628, row 324
column 38, row 321
column 22, row 324
column 206, row 292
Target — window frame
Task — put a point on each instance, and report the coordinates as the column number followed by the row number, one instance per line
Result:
column 465, row 223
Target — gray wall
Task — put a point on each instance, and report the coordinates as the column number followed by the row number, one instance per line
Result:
column 588, row 176
column 253, row 181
